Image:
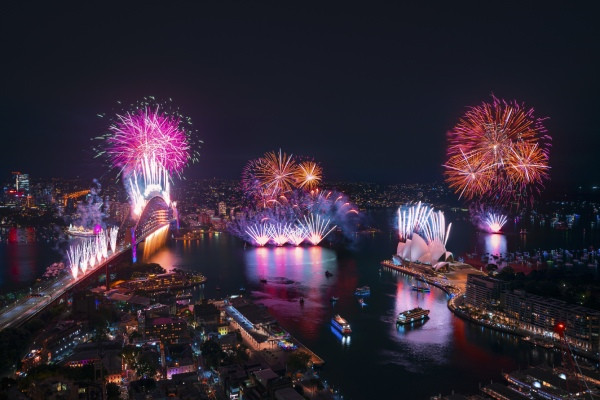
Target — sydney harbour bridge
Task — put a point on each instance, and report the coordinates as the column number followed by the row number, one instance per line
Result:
column 153, row 222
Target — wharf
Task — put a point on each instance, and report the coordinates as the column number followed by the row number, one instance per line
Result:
column 420, row 273
column 457, row 292
column 261, row 331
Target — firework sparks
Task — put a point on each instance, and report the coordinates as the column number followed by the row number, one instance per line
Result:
column 412, row 219
column 278, row 233
column 275, row 172
column 74, row 255
column 497, row 152
column 112, row 234
column 149, row 146
column 148, row 135
column 296, row 235
column 259, row 233
column 308, row 175
column 316, row 228
column 495, row 222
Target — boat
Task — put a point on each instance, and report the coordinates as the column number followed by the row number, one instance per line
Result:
column 409, row 316
column 341, row 324
column 333, row 299
column 328, row 274
column 263, row 281
column 419, row 288
column 362, row 291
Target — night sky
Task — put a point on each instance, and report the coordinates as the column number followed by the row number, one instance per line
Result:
column 368, row 90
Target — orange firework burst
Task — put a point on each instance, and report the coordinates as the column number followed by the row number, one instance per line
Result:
column 308, row 175
column 497, row 151
column 275, row 173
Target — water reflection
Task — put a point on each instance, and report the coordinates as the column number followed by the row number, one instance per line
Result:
column 443, row 354
column 495, row 243
column 284, row 275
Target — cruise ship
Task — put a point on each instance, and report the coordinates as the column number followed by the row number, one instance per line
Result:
column 416, row 314
column 341, row 324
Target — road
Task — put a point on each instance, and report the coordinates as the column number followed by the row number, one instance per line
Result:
column 26, row 308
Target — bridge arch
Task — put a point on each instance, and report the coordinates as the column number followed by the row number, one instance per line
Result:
column 156, row 214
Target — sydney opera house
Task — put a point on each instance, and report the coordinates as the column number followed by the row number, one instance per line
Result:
column 423, row 235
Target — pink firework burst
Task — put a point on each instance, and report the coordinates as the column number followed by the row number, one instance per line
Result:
column 148, row 135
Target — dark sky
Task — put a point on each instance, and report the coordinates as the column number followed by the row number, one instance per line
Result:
column 368, row 90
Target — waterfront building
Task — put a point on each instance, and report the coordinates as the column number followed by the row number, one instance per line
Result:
column 483, row 290
column 534, row 314
column 253, row 322
column 540, row 315
column 222, row 208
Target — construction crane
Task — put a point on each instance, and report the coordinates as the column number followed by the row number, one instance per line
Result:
column 569, row 362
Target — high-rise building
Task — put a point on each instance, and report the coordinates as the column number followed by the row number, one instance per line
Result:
column 21, row 182
column 484, row 291
column 222, row 208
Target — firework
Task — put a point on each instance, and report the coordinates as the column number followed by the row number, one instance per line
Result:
column 259, row 233
column 98, row 248
column 278, row 233
column 316, row 228
column 296, row 235
column 111, row 234
column 308, row 175
column 423, row 234
column 148, row 134
column 149, row 145
column 497, row 152
column 74, row 255
column 275, row 173
column 435, row 230
column 494, row 222
column 412, row 218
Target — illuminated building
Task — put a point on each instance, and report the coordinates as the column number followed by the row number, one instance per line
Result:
column 222, row 208
column 484, row 290
column 21, row 182
column 179, row 359
column 167, row 329
column 533, row 313
column 540, row 315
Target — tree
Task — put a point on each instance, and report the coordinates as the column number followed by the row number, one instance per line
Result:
column 130, row 355
column 297, row 361
column 507, row 273
column 491, row 267
column 112, row 391
column 212, row 353
column 147, row 364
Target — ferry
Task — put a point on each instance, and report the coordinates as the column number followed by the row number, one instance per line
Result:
column 422, row 289
column 362, row 291
column 341, row 324
column 416, row 314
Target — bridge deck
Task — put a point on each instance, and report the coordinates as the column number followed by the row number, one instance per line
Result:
column 25, row 309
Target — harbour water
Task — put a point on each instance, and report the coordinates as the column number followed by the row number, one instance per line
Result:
column 379, row 360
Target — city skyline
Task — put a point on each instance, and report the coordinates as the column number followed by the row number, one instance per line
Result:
column 369, row 92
